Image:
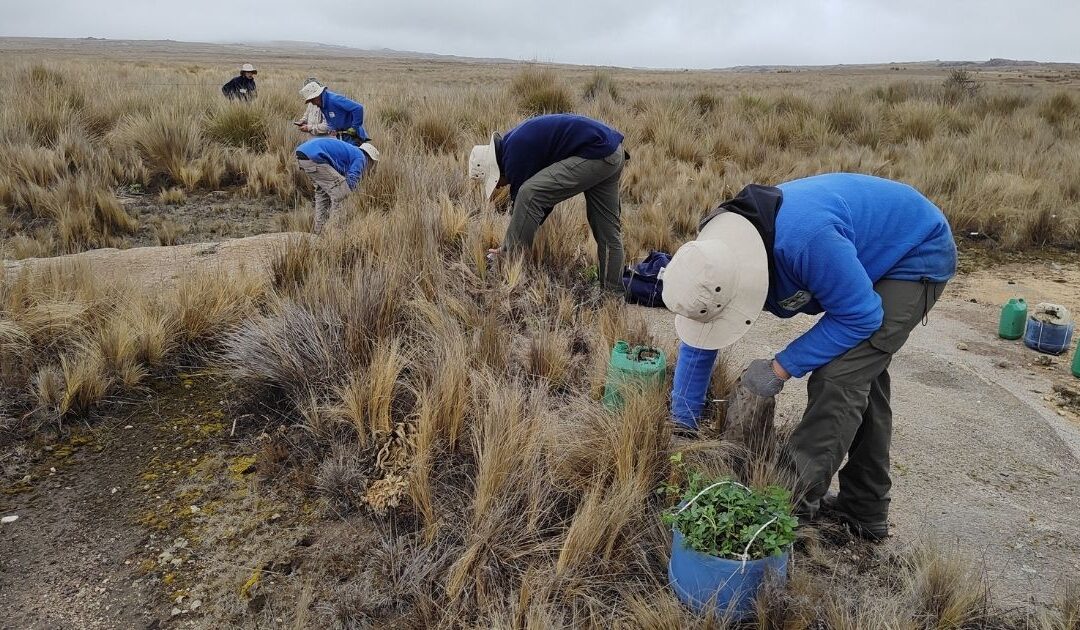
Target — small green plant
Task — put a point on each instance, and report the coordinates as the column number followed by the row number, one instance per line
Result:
column 728, row 518
column 590, row 273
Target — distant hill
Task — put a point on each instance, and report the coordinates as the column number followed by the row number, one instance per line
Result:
column 315, row 49
column 239, row 49
column 995, row 63
column 349, row 51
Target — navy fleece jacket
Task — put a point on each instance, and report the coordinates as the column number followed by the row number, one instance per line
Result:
column 540, row 142
column 837, row 235
column 240, row 87
column 340, row 155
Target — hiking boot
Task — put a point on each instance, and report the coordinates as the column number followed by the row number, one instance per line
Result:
column 831, row 508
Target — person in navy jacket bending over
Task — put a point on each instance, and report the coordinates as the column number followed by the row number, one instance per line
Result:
column 549, row 159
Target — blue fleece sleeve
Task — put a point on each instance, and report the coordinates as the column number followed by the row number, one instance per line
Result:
column 829, row 268
column 356, row 117
column 356, row 169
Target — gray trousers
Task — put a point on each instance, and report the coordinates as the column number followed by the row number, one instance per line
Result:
column 848, row 411
column 330, row 189
column 599, row 180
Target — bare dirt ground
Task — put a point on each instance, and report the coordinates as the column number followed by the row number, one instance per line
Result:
column 199, row 219
column 82, row 553
column 159, row 268
column 986, row 459
column 212, row 217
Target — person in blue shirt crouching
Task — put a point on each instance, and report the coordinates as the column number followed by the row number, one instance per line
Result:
column 869, row 254
column 549, row 159
column 335, row 168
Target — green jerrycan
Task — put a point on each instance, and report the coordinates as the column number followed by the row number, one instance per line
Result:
column 1013, row 319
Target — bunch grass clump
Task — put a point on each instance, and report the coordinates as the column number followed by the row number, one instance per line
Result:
column 540, row 91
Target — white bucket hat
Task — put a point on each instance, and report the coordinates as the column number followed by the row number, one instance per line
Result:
column 371, row 151
column 311, row 90
column 717, row 285
column 247, row 67
column 484, row 166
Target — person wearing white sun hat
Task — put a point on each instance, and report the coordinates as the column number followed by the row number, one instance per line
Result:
column 335, row 168
column 547, row 160
column 872, row 256
column 312, row 121
column 344, row 117
column 242, row 87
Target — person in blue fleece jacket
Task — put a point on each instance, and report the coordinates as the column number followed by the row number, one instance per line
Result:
column 334, row 168
column 871, row 256
column 344, row 117
column 547, row 160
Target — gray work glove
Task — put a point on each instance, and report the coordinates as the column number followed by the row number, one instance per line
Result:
column 761, row 380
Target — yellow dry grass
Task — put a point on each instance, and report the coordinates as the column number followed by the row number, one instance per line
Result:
column 463, row 399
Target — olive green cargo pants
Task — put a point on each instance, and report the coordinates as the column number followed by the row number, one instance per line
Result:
column 599, row 180
column 848, row 412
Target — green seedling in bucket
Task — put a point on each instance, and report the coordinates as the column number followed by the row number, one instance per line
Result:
column 727, row 539
column 723, row 519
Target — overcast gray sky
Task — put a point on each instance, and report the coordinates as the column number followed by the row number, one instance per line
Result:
column 675, row 33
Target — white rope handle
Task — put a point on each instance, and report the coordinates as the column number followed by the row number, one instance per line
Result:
column 746, row 552
column 718, row 483
column 745, row 555
column 1042, row 328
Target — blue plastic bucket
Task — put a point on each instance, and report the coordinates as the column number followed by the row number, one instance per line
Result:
column 729, row 587
column 1047, row 337
column 693, row 370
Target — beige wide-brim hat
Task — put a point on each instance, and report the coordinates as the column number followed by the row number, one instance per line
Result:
column 247, row 67
column 484, row 166
column 311, row 90
column 370, row 150
column 717, row 285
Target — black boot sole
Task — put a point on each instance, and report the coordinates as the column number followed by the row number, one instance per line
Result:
column 831, row 510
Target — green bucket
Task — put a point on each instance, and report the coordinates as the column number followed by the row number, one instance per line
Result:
column 640, row 366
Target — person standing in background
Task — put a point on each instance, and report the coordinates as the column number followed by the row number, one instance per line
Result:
column 242, row 88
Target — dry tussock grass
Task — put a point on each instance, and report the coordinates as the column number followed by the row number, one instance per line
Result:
column 454, row 413
column 69, row 341
column 90, row 130
column 694, row 138
column 455, row 408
